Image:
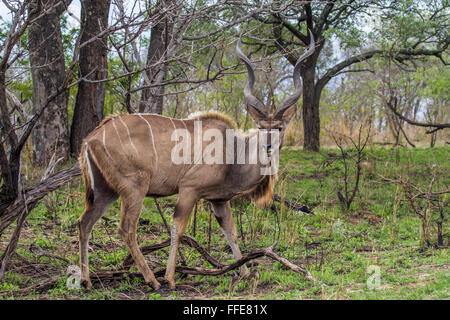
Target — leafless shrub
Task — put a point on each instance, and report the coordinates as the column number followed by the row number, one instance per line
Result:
column 352, row 157
column 429, row 202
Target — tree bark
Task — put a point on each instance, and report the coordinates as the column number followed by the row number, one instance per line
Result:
column 9, row 168
column 311, row 102
column 50, row 134
column 93, row 63
column 311, row 89
column 152, row 98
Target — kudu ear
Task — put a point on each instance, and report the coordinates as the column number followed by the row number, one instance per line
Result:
column 287, row 114
column 255, row 113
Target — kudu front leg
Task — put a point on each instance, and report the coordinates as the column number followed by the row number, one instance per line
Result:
column 222, row 212
column 183, row 209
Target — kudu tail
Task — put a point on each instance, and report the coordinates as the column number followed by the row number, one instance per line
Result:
column 99, row 172
column 86, row 173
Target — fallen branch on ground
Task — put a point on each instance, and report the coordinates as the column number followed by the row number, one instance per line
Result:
column 35, row 193
column 220, row 268
column 186, row 240
column 42, row 286
column 23, row 206
column 292, row 205
column 102, row 276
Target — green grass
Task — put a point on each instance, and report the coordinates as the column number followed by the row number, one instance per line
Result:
column 337, row 247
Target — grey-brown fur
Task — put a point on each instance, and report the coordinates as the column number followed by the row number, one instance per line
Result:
column 117, row 170
column 129, row 156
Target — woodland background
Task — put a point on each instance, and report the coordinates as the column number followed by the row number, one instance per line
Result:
column 368, row 144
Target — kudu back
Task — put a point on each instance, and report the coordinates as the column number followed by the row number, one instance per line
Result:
column 131, row 156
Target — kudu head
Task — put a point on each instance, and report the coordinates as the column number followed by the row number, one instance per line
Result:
column 280, row 119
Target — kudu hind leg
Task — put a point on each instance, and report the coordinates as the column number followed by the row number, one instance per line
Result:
column 183, row 209
column 86, row 223
column 131, row 210
column 222, row 212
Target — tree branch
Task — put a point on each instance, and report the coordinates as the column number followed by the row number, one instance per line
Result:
column 438, row 126
column 332, row 72
column 401, row 55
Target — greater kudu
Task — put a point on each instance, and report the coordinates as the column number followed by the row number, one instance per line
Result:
column 129, row 156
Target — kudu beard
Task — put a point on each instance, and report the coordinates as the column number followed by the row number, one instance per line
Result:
column 261, row 148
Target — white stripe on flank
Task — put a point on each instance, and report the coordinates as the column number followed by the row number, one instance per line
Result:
column 104, row 143
column 151, row 133
column 91, row 175
column 129, row 136
column 184, row 123
column 173, row 124
column 120, row 140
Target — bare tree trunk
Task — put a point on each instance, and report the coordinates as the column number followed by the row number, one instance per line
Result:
column 51, row 133
column 392, row 125
column 9, row 167
column 152, row 99
column 311, row 102
column 90, row 99
column 433, row 137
